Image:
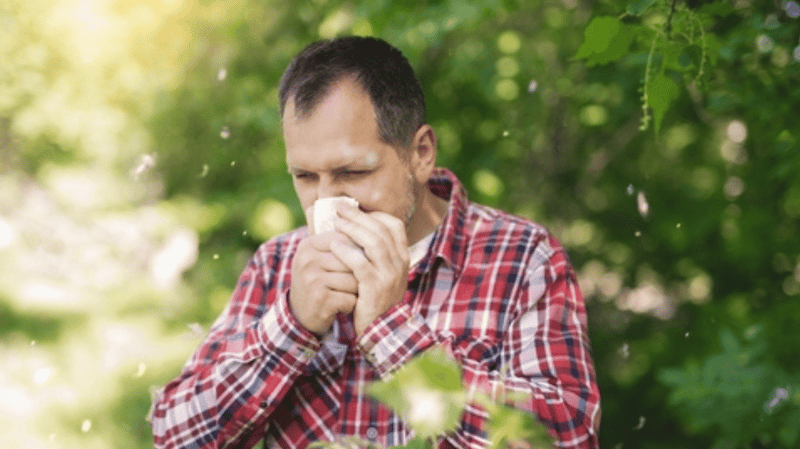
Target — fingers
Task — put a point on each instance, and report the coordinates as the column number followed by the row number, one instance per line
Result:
column 342, row 282
column 397, row 229
column 318, row 319
column 328, row 261
column 322, row 285
column 353, row 258
column 382, row 236
column 342, row 302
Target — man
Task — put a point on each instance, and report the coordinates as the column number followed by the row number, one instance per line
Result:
column 316, row 317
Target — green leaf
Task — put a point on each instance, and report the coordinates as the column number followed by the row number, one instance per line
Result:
column 691, row 55
column 440, row 371
column 606, row 39
column 661, row 93
column 720, row 8
column 640, row 6
column 417, row 442
column 427, row 393
column 507, row 425
column 729, row 341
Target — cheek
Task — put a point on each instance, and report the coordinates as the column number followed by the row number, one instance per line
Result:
column 390, row 197
column 377, row 196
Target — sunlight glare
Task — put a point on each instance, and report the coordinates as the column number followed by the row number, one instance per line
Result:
column 42, row 375
column 178, row 254
column 8, row 234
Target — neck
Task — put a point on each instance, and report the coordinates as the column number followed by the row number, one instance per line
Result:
column 430, row 210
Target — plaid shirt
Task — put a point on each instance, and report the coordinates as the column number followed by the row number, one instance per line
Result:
column 496, row 290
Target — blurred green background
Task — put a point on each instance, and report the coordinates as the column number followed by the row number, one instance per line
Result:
column 141, row 164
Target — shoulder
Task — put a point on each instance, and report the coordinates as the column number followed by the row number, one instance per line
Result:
column 514, row 236
column 484, row 222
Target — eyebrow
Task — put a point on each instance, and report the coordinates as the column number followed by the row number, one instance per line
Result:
column 355, row 164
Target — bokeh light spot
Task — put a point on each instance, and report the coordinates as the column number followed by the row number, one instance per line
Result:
column 764, row 43
column 271, row 218
column 362, row 27
column 699, row 289
column 792, row 9
column 509, row 42
column 734, row 186
column 737, row 131
column 593, row 115
column 507, row 89
column 487, row 183
column 507, row 66
column 334, row 23
column 554, row 17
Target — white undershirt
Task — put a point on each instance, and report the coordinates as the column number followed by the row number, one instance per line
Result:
column 418, row 250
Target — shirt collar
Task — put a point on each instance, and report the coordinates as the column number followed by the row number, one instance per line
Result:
column 450, row 240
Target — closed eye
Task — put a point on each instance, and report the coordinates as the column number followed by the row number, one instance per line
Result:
column 302, row 175
column 354, row 173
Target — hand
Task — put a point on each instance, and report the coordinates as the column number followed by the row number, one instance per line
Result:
column 380, row 265
column 322, row 285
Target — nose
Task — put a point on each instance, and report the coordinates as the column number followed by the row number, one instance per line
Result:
column 329, row 187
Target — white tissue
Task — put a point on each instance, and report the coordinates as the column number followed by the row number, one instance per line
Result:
column 325, row 212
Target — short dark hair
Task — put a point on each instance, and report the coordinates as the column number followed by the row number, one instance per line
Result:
column 381, row 69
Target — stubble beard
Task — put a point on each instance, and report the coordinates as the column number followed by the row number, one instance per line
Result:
column 411, row 198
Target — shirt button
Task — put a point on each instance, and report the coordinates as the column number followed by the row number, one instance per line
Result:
column 263, row 404
column 372, row 433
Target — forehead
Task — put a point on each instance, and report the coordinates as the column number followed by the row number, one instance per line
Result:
column 340, row 129
column 333, row 158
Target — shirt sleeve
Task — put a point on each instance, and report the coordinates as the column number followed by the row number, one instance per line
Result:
column 393, row 339
column 230, row 386
column 545, row 357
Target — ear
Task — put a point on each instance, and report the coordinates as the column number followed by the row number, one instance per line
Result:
column 423, row 153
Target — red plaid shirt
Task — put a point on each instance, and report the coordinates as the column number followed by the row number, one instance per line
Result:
column 497, row 290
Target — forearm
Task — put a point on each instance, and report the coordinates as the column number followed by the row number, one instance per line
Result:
column 227, row 392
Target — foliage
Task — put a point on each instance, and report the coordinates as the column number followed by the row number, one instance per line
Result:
column 142, row 164
column 730, row 388
column 428, row 394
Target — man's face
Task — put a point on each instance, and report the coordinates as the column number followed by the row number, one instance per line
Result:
column 336, row 151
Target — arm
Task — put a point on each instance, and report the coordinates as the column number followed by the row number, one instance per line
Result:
column 545, row 355
column 233, row 382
